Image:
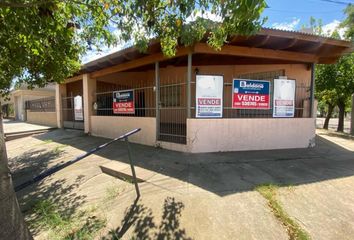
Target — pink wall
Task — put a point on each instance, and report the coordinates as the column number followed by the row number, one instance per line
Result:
column 214, row 135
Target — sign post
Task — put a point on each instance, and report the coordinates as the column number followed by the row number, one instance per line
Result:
column 123, row 102
column 250, row 94
column 209, row 96
column 284, row 98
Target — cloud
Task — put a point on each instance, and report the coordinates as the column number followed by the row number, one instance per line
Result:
column 290, row 26
column 329, row 28
column 206, row 15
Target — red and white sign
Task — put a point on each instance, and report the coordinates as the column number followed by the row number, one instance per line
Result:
column 123, row 102
column 209, row 96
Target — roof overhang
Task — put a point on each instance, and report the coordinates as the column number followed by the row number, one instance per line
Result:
column 268, row 46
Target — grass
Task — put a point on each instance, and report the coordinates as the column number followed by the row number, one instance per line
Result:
column 80, row 226
column 59, row 149
column 294, row 230
column 112, row 192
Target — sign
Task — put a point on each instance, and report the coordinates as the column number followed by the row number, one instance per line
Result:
column 78, row 113
column 123, row 102
column 209, row 96
column 250, row 94
column 284, row 98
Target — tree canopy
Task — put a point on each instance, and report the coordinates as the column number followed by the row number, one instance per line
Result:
column 349, row 22
column 42, row 41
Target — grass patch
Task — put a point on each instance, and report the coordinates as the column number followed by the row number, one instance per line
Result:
column 294, row 230
column 112, row 192
column 59, row 149
column 80, row 226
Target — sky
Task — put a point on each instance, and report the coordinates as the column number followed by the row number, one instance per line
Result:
column 282, row 14
column 292, row 14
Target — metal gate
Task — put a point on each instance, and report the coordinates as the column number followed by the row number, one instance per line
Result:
column 68, row 113
column 172, row 117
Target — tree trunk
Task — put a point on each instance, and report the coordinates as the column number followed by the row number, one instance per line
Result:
column 341, row 106
column 12, row 224
column 328, row 116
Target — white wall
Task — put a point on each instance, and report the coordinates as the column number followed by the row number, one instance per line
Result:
column 112, row 127
column 214, row 135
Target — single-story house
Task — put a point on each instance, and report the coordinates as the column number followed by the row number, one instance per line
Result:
column 256, row 93
column 20, row 95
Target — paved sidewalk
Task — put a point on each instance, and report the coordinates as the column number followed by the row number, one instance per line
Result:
column 12, row 126
column 194, row 196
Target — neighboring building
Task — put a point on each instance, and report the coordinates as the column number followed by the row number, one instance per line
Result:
column 20, row 95
column 255, row 93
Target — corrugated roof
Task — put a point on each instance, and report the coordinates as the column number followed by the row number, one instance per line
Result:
column 327, row 49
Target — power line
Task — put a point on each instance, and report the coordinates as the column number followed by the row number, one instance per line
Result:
column 337, row 2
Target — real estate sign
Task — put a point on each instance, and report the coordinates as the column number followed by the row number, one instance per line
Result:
column 123, row 102
column 284, row 98
column 250, row 94
column 78, row 112
column 209, row 96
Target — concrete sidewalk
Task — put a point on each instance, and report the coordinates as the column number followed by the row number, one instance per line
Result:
column 12, row 126
column 194, row 196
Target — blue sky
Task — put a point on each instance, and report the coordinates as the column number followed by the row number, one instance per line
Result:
column 282, row 14
column 293, row 14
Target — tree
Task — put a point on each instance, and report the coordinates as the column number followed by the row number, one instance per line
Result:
column 335, row 85
column 349, row 22
column 42, row 41
column 334, row 82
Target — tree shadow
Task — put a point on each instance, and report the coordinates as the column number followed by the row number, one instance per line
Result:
column 56, row 191
column 31, row 163
column 225, row 173
column 145, row 227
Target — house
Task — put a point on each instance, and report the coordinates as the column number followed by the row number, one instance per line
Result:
column 256, row 93
column 20, row 95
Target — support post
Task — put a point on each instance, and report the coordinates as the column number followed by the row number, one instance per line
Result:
column 312, row 92
column 157, row 98
column 189, row 80
column 89, row 90
column 60, row 90
column 352, row 117
column 132, row 168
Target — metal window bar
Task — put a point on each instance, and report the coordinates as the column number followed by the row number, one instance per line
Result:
column 41, row 105
column 173, row 108
column 144, row 98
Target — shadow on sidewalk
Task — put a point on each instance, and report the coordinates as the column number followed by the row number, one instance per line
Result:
column 145, row 227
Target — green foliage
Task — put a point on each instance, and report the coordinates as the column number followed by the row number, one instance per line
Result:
column 59, row 226
column 335, row 82
column 42, row 41
column 294, row 230
column 349, row 22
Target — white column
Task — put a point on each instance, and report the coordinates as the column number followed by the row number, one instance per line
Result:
column 89, row 91
column 60, row 90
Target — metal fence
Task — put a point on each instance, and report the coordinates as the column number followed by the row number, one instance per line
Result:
column 41, row 105
column 144, row 99
column 302, row 93
column 68, row 113
column 172, row 107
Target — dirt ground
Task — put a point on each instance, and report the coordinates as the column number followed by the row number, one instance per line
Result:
column 191, row 196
